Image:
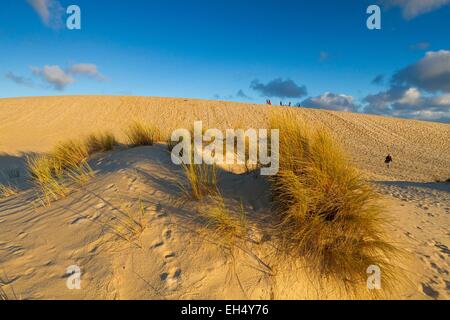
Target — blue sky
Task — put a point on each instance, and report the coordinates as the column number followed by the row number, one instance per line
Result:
column 317, row 53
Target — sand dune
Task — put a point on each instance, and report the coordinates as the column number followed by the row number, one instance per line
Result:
column 171, row 259
column 420, row 149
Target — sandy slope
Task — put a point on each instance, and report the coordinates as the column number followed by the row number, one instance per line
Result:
column 420, row 149
column 174, row 257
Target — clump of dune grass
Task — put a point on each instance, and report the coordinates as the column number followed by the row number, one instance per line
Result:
column 47, row 176
column 70, row 154
column 228, row 227
column 53, row 173
column 7, row 191
column 328, row 213
column 140, row 134
column 225, row 225
column 171, row 144
column 100, row 142
column 200, row 180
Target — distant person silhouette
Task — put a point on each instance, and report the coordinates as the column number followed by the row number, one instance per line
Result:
column 388, row 161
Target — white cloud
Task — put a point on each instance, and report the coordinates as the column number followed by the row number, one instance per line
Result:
column 431, row 73
column 87, row 69
column 413, row 8
column 331, row 101
column 54, row 75
column 409, row 103
column 50, row 12
column 59, row 78
column 410, row 96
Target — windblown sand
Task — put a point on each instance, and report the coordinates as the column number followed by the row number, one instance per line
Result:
column 173, row 259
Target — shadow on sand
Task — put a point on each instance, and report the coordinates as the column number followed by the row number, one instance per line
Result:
column 430, row 186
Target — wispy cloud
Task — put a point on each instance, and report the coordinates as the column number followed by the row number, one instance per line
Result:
column 378, row 80
column 20, row 80
column 242, row 95
column 88, row 69
column 420, row 46
column 54, row 76
column 413, row 8
column 323, row 56
column 60, row 78
column 50, row 12
column 239, row 95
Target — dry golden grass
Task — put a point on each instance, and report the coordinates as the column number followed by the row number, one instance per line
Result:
column 171, row 144
column 100, row 142
column 200, row 180
column 140, row 134
column 7, row 191
column 225, row 225
column 328, row 213
column 69, row 154
column 128, row 226
column 47, row 176
column 52, row 173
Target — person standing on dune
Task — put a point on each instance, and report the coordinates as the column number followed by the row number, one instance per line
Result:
column 388, row 161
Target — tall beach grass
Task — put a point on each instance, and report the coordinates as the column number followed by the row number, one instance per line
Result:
column 66, row 164
column 142, row 134
column 328, row 214
column 100, row 142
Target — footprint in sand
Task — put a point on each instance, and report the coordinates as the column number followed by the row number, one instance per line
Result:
column 443, row 248
column 79, row 220
column 22, row 235
column 167, row 234
column 160, row 212
column 438, row 269
column 171, row 278
column 163, row 276
column 171, row 273
column 157, row 244
column 428, row 290
column 169, row 255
